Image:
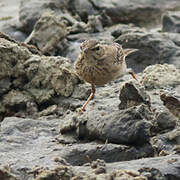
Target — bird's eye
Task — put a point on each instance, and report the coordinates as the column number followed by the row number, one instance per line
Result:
column 97, row 48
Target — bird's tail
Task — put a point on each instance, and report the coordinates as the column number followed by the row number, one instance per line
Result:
column 129, row 51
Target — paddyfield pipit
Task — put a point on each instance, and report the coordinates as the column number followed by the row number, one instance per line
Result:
column 100, row 63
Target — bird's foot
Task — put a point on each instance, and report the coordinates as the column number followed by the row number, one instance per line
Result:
column 81, row 110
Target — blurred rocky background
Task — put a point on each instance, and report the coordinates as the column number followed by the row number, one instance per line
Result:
column 131, row 130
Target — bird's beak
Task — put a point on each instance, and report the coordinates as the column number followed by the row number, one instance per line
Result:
column 85, row 50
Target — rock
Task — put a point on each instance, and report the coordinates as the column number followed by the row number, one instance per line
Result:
column 30, row 12
column 143, row 13
column 165, row 119
column 94, row 24
column 155, row 76
column 5, row 85
column 166, row 141
column 127, row 174
column 172, row 103
column 82, row 8
column 12, row 57
column 16, row 101
column 152, row 173
column 154, row 48
column 166, row 166
column 12, row 29
column 48, row 33
column 132, row 94
column 130, row 126
column 79, row 154
column 50, row 110
column 81, row 91
column 5, row 174
column 171, row 22
column 54, row 74
column 61, row 172
column 31, row 78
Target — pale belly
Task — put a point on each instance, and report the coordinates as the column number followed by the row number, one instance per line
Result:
column 102, row 75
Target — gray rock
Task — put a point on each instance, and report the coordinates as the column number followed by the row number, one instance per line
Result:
column 77, row 153
column 30, row 144
column 165, row 119
column 5, row 85
column 155, row 76
column 133, row 94
column 54, row 74
column 48, row 33
column 29, row 78
column 15, row 101
column 171, row 22
column 30, row 12
column 166, row 141
column 82, row 8
column 6, row 174
column 130, row 126
column 143, row 13
column 12, row 58
column 153, row 48
column 172, row 103
column 94, row 24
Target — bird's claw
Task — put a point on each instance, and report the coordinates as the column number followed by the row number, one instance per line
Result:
column 81, row 110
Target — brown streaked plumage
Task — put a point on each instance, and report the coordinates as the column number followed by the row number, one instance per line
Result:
column 100, row 63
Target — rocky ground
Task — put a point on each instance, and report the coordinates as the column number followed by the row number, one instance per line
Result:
column 131, row 130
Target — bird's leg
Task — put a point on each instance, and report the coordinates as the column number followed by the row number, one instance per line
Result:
column 133, row 75
column 89, row 98
column 131, row 72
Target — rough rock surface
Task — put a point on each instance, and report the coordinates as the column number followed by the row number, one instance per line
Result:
column 131, row 130
column 142, row 12
column 43, row 33
column 23, row 75
column 172, row 103
column 130, row 126
column 171, row 22
column 31, row 11
column 133, row 94
column 155, row 76
column 154, row 48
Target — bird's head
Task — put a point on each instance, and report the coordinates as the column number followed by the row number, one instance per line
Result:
column 92, row 49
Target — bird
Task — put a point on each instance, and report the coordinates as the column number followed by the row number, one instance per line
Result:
column 99, row 63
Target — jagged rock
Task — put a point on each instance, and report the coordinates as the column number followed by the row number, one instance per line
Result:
column 78, row 154
column 50, row 110
column 54, row 74
column 61, row 172
column 153, row 48
column 6, row 174
column 166, row 141
column 94, row 24
column 12, row 57
column 81, row 7
column 172, row 103
column 48, row 33
column 171, row 22
column 152, row 173
column 31, row 11
column 5, row 85
column 143, row 13
column 132, row 94
column 165, row 119
column 161, row 76
column 130, row 126
column 16, row 101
